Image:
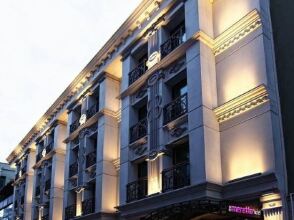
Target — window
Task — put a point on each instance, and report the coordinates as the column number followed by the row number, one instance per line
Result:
column 142, row 170
column 181, row 154
column 142, row 113
column 179, row 89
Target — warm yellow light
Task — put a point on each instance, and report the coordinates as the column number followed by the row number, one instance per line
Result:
column 238, row 81
column 241, row 104
column 154, row 185
column 246, row 156
column 228, row 12
column 79, row 204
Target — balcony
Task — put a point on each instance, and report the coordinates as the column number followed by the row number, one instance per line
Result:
column 91, row 159
column 175, row 40
column 73, row 169
column 137, row 190
column 175, row 109
column 176, row 177
column 88, row 206
column 138, row 131
column 92, row 110
column 74, row 126
column 137, row 72
column 70, row 212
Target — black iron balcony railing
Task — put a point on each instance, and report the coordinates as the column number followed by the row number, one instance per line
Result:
column 45, row 217
column 176, row 108
column 137, row 190
column 38, row 191
column 70, row 211
column 175, row 40
column 88, row 206
column 73, row 169
column 92, row 110
column 74, row 126
column 47, row 185
column 91, row 159
column 137, row 72
column 139, row 130
column 176, row 177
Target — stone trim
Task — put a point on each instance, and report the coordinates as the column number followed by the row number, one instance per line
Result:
column 242, row 103
column 236, row 32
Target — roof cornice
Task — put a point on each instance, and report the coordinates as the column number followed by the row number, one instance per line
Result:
column 105, row 52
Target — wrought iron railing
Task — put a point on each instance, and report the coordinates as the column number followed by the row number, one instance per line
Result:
column 91, row 159
column 70, row 212
column 176, row 177
column 176, row 108
column 175, row 40
column 73, row 169
column 139, row 130
column 88, row 206
column 137, row 72
column 74, row 126
column 92, row 110
column 137, row 190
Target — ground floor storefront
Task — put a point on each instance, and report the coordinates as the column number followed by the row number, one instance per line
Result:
column 268, row 207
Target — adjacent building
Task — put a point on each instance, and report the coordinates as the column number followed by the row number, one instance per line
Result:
column 7, row 175
column 178, row 116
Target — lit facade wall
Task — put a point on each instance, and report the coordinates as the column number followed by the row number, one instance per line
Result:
column 183, row 108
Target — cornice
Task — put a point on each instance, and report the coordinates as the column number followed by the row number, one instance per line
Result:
column 236, row 32
column 242, row 103
column 99, row 60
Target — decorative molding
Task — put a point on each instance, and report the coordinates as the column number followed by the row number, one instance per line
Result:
column 177, row 131
column 174, row 68
column 236, row 32
column 242, row 103
column 116, row 164
column 140, row 150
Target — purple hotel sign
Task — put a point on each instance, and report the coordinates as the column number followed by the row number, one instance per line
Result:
column 244, row 210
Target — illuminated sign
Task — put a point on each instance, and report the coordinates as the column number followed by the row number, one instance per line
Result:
column 244, row 210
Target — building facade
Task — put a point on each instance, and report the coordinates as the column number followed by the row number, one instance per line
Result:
column 178, row 116
column 7, row 175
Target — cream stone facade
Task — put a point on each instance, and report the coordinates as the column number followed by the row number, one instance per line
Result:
column 176, row 117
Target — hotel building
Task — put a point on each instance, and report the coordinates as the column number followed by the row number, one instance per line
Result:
column 178, row 116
